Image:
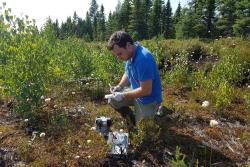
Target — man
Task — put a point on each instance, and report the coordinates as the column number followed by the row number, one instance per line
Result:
column 141, row 74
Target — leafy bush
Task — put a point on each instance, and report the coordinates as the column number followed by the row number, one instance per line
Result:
column 147, row 130
column 177, row 76
column 178, row 161
column 247, row 99
column 224, row 95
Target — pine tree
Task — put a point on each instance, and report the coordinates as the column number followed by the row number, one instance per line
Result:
column 185, row 27
column 67, row 29
column 168, row 26
column 146, row 8
column 124, row 14
column 242, row 24
column 88, row 35
column 56, row 28
column 177, row 15
column 199, row 26
column 155, row 18
column 109, row 26
column 136, row 23
column 101, row 25
column 74, row 23
column 227, row 17
column 93, row 10
column 210, row 18
column 80, row 28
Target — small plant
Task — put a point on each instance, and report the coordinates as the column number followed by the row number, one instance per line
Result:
column 177, row 76
column 24, row 150
column 247, row 100
column 224, row 95
column 147, row 131
column 178, row 161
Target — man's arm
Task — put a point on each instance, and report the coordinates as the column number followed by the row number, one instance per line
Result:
column 124, row 81
column 145, row 89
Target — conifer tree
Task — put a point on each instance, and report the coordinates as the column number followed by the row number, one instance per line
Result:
column 227, row 17
column 242, row 24
column 101, row 24
column 210, row 18
column 109, row 26
column 146, row 9
column 124, row 14
column 155, row 18
column 88, row 35
column 136, row 23
column 177, row 15
column 93, row 12
column 168, row 26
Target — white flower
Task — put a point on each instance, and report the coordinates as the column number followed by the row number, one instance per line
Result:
column 213, row 123
column 55, row 106
column 77, row 157
column 87, row 83
column 205, row 103
column 93, row 128
column 47, row 100
column 88, row 141
column 121, row 130
column 73, row 93
column 26, row 120
column 42, row 134
column 42, row 97
column 248, row 86
column 89, row 156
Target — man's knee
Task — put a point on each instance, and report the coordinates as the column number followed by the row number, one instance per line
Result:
column 114, row 104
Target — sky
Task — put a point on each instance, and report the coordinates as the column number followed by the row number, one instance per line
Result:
column 40, row 10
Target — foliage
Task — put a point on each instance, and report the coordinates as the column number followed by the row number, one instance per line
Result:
column 223, row 95
column 178, row 161
column 146, row 131
column 247, row 99
column 177, row 76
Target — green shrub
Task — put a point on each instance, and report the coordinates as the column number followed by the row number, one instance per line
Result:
column 224, row 95
column 177, row 76
column 147, row 130
column 178, row 161
column 247, row 99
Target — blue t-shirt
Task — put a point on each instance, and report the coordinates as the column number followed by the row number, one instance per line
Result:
column 141, row 67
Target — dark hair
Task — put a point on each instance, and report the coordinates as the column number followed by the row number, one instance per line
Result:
column 119, row 38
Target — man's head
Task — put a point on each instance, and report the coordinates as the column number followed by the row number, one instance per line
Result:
column 121, row 45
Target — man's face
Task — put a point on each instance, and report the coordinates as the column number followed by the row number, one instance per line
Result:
column 123, row 53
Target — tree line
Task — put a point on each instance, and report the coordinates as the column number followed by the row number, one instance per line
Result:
column 145, row 19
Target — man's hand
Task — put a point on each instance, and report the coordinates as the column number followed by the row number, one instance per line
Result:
column 118, row 96
column 115, row 89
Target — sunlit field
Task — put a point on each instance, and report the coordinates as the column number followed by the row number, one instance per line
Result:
column 51, row 91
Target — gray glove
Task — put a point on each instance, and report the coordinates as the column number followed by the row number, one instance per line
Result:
column 115, row 89
column 118, row 96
